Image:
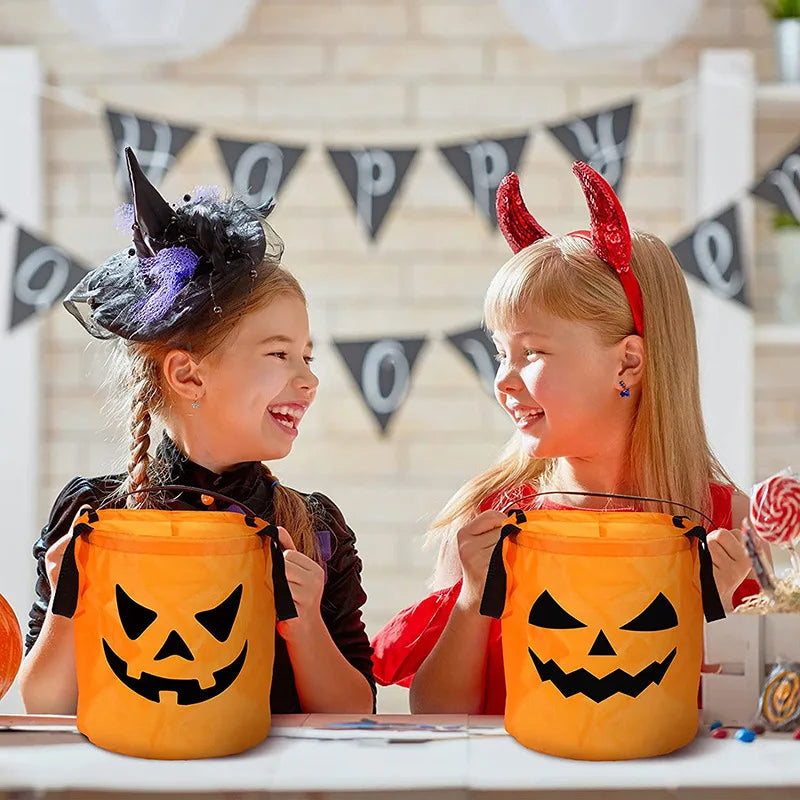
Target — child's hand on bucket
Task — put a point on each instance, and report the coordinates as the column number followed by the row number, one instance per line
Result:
column 731, row 562
column 55, row 553
column 306, row 581
column 475, row 541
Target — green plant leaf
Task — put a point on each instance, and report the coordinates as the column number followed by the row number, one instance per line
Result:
column 783, row 9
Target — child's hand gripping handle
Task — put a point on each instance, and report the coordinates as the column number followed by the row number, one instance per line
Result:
column 494, row 590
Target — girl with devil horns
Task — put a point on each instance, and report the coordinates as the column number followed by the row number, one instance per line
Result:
column 214, row 340
column 599, row 374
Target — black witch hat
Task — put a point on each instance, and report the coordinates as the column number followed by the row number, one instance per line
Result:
column 184, row 261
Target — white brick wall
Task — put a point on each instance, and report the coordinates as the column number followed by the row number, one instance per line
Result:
column 372, row 72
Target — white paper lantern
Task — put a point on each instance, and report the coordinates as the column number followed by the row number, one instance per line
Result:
column 154, row 30
column 608, row 29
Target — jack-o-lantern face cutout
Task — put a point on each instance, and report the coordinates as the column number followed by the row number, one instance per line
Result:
column 217, row 621
column 658, row 616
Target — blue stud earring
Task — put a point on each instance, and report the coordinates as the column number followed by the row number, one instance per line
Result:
column 195, row 404
column 625, row 391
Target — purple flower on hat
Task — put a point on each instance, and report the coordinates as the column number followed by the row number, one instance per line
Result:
column 124, row 217
column 206, row 192
column 167, row 272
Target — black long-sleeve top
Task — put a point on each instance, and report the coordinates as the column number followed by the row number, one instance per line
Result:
column 251, row 485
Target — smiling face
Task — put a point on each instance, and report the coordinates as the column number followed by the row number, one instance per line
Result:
column 218, row 621
column 558, row 383
column 252, row 392
column 628, row 679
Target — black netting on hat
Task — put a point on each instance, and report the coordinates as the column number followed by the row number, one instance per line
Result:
column 184, row 262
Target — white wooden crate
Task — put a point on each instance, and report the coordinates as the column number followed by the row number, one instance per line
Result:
column 746, row 646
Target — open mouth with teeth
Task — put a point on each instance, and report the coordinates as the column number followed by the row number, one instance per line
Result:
column 188, row 690
column 598, row 689
column 288, row 416
column 527, row 416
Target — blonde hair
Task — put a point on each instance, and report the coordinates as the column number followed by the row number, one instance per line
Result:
column 138, row 369
column 669, row 454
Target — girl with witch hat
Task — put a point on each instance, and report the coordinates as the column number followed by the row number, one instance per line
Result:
column 213, row 336
column 599, row 375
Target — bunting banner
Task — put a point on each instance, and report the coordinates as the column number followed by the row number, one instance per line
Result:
column 42, row 275
column 780, row 185
column 712, row 252
column 258, row 170
column 481, row 164
column 373, row 177
column 478, row 349
column 382, row 370
column 601, row 140
column 157, row 144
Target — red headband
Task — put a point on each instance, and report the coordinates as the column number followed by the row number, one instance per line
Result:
column 610, row 236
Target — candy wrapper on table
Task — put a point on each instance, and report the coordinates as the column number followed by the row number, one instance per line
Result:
column 757, row 649
column 174, row 618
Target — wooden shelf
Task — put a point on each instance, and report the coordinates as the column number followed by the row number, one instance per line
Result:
column 778, row 98
column 778, row 334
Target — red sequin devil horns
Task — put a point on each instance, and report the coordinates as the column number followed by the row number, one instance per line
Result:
column 610, row 236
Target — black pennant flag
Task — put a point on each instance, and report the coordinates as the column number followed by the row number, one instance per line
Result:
column 258, row 170
column 382, row 370
column 712, row 252
column 372, row 176
column 481, row 165
column 42, row 275
column 480, row 353
column 601, row 140
column 781, row 183
column 156, row 143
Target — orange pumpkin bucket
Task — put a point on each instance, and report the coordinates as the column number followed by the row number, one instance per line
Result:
column 602, row 630
column 174, row 617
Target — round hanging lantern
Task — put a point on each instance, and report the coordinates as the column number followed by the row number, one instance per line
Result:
column 623, row 30
column 154, row 30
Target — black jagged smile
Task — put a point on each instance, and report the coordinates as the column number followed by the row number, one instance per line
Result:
column 598, row 689
column 188, row 690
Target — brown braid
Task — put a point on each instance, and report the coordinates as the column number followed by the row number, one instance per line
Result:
column 291, row 511
column 139, row 461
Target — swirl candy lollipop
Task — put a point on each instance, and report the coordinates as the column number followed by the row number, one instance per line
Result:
column 780, row 700
column 775, row 512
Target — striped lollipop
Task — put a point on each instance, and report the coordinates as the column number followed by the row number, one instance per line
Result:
column 775, row 508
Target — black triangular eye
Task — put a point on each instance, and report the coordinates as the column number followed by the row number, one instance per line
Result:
column 135, row 618
column 658, row 616
column 218, row 621
column 547, row 613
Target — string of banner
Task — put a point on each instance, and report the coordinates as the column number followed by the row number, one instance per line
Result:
column 373, row 175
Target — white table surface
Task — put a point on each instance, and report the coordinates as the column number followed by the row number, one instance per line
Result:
column 53, row 761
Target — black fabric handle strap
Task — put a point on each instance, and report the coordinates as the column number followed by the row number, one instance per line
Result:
column 493, row 600
column 712, row 605
column 65, row 599
column 284, row 602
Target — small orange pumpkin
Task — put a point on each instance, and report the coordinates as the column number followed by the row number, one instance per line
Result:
column 10, row 646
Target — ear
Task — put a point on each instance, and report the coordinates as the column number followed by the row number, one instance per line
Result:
column 182, row 375
column 631, row 360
